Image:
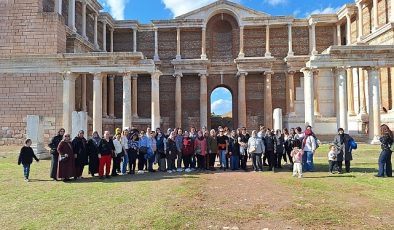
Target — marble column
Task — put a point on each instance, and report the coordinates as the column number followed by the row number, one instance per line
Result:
column 374, row 105
column 313, row 37
column 268, row 99
column 178, row 100
column 241, row 42
column 58, row 6
column 267, row 41
column 316, row 100
column 83, row 93
column 127, row 113
column 290, row 34
column 97, row 103
column 363, row 100
column 291, row 94
column 105, row 95
column 84, row 20
column 112, row 40
column 135, row 96
column 71, row 15
column 178, row 44
column 95, row 31
column 68, row 100
column 342, row 110
column 360, row 21
column 134, row 40
column 308, row 96
column 348, row 30
column 203, row 43
column 156, row 57
column 155, row 100
column 203, row 100
column 104, row 36
column 242, row 99
column 339, row 36
column 350, row 92
column 375, row 16
column 111, row 96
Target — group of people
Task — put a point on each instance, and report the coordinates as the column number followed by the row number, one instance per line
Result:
column 132, row 151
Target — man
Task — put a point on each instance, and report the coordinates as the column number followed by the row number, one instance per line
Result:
column 222, row 141
column 161, row 150
column 344, row 150
column 243, row 142
column 270, row 149
column 193, row 136
column 262, row 134
column 106, row 151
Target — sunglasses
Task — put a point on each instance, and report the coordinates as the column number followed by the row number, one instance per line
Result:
column 67, row 136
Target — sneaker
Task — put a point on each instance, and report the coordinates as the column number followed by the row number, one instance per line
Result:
column 107, row 176
column 140, row 172
column 294, row 175
column 300, row 176
column 179, row 170
column 101, row 178
column 188, row 170
column 27, row 180
column 169, row 171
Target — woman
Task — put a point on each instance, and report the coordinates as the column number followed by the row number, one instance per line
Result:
column 125, row 159
column 234, row 150
column 256, row 148
column 309, row 147
column 133, row 152
column 212, row 149
column 171, row 153
column 93, row 152
column 243, row 152
column 270, row 149
column 106, row 151
column 145, row 151
column 223, row 149
column 344, row 150
column 386, row 140
column 280, row 148
column 80, row 149
column 66, row 164
column 178, row 141
column 119, row 153
column 152, row 160
column 187, row 151
column 54, row 154
column 200, row 149
column 286, row 136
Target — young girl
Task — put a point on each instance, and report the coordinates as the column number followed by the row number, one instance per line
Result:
column 26, row 158
column 117, row 158
column 332, row 158
column 296, row 154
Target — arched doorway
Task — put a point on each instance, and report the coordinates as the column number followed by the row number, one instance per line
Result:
column 221, row 108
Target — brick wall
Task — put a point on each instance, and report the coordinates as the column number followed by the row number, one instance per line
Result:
column 324, row 37
column 78, row 17
column 254, row 42
column 279, row 42
column 146, row 43
column 190, row 101
column 167, row 99
column 382, row 12
column 254, row 100
column 100, row 34
column 167, row 44
column 144, row 96
column 123, row 40
column 48, row 5
column 367, row 19
column 191, row 44
column 90, row 27
column 353, row 30
column 279, row 92
column 300, row 40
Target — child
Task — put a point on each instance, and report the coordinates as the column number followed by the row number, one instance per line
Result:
column 26, row 158
column 117, row 158
column 332, row 158
column 296, row 154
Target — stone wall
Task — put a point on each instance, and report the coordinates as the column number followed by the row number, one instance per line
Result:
column 279, row 45
column 167, row 99
column 324, row 37
column 254, row 100
column 146, row 43
column 167, row 44
column 191, row 43
column 254, row 42
column 123, row 40
column 300, row 40
column 190, row 101
column 367, row 19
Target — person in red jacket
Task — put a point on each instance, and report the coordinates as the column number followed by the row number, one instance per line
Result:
column 200, row 149
column 187, row 151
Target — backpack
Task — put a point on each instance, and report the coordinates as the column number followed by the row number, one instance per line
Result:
column 316, row 141
column 353, row 144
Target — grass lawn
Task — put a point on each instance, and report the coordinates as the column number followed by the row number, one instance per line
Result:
column 221, row 200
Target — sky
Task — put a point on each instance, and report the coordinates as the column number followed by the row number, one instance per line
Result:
column 146, row 10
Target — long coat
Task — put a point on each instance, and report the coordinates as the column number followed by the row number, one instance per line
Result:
column 54, row 155
column 80, row 148
column 66, row 168
column 93, row 156
column 343, row 148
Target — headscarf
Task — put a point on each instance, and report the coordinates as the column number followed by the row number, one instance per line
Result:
column 96, row 139
column 307, row 133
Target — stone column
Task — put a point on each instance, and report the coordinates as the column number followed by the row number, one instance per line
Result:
column 360, row 21
column 127, row 114
column 104, row 36
column 291, row 90
column 111, row 96
column 155, row 100
column 348, row 30
column 392, row 11
column 105, row 95
column 341, row 85
column 178, row 44
column 290, row 33
column 313, row 37
column 178, row 100
column 84, row 20
column 97, row 103
column 308, row 97
column 71, row 15
column 363, row 101
column 58, row 6
column 267, row 41
column 242, row 99
column 134, row 40
column 203, row 100
column 241, row 42
column 375, row 15
column 112, row 40
column 392, row 87
column 316, row 100
column 156, row 57
column 350, row 92
column 95, row 34
column 68, row 100
column 268, row 100
column 374, row 105
column 203, row 43
column 135, row 96
column 84, row 105
column 339, row 36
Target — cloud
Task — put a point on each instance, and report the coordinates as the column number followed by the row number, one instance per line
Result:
column 116, row 7
column 221, row 106
column 327, row 10
column 276, row 2
column 179, row 7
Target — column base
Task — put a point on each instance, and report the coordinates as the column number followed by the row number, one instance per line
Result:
column 241, row 55
column 136, row 116
column 290, row 54
column 86, row 38
column 156, row 58
column 96, row 47
column 203, row 56
column 375, row 141
column 364, row 117
column 352, row 113
column 314, row 52
column 267, row 54
column 178, row 57
column 317, row 114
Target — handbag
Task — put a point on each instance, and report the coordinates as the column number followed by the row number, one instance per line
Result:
column 143, row 150
column 63, row 158
column 353, row 144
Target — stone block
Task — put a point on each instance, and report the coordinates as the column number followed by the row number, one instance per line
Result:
column 79, row 122
column 35, row 132
column 278, row 119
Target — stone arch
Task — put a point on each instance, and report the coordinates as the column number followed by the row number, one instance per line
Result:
column 229, row 122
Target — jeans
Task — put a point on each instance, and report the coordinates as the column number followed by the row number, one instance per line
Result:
column 234, row 162
column 257, row 162
column 222, row 154
column 125, row 161
column 331, row 165
column 26, row 170
column 385, row 163
column 132, row 156
column 179, row 159
column 308, row 165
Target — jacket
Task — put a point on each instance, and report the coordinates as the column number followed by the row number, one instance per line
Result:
column 26, row 156
column 344, row 150
column 257, row 144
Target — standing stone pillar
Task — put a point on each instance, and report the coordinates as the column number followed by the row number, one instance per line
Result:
column 127, row 115
column 104, row 36
column 242, row 99
column 111, row 96
column 83, row 94
column 313, row 33
column 339, row 36
column 58, row 6
column 290, row 33
column 278, row 119
column 178, row 100
column 268, row 99
column 316, row 100
column 105, row 96
column 96, row 46
column 291, row 90
column 156, row 57
column 374, row 104
column 98, row 103
column 241, row 42
column 135, row 40
column 308, row 96
column 68, row 100
column 178, row 44
column 84, row 20
column 363, row 100
column 71, row 15
column 112, row 40
column 267, row 42
column 375, row 15
column 35, row 132
column 342, row 106
column 350, row 92
column 360, row 21
column 203, row 43
column 203, row 100
column 155, row 99
column 135, row 96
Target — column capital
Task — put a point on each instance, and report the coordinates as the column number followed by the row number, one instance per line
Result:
column 178, row 74
column 98, row 76
column 291, row 72
column 203, row 28
column 134, row 76
column 156, row 74
column 371, row 68
column 70, row 76
column 111, row 77
column 242, row 74
column 268, row 73
column 203, row 75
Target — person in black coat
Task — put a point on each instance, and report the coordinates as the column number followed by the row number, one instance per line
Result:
column 26, row 156
column 344, row 150
column 80, row 149
column 270, row 149
column 93, row 152
column 54, row 154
